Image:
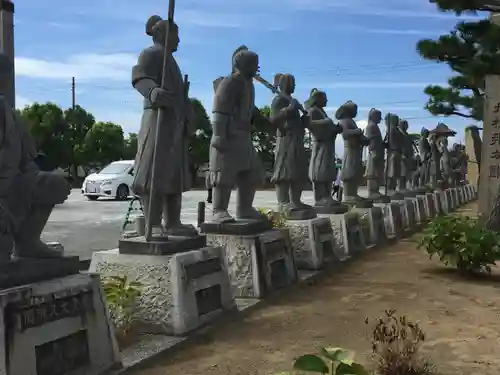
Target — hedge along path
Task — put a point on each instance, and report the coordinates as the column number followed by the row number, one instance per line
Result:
column 460, row 318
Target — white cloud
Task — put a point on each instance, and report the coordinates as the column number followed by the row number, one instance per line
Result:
column 22, row 102
column 85, row 66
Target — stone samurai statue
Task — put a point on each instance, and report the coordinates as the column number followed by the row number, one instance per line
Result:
column 233, row 160
column 290, row 166
column 375, row 164
column 171, row 154
column 322, row 165
column 354, row 141
column 27, row 195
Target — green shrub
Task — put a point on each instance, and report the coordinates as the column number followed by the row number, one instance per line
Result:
column 334, row 361
column 121, row 296
column 462, row 242
column 277, row 218
column 396, row 345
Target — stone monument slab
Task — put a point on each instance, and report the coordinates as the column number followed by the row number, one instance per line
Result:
column 257, row 264
column 57, row 327
column 347, row 233
column 179, row 292
column 313, row 243
column 160, row 245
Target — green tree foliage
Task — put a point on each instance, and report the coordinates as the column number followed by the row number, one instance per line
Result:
column 130, row 147
column 104, row 143
column 264, row 139
column 50, row 130
column 199, row 145
column 471, row 50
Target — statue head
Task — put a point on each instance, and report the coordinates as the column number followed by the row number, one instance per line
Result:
column 150, row 23
column 424, row 133
column 285, row 82
column 347, row 110
column 6, row 71
column 391, row 120
column 246, row 62
column 318, row 98
column 233, row 60
column 375, row 115
column 159, row 32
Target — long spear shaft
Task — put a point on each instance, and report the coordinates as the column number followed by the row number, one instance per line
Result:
column 159, row 120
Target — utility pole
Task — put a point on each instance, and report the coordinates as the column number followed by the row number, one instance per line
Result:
column 7, row 46
column 73, row 93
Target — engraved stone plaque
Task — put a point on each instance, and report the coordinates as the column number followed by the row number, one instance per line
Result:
column 63, row 356
column 209, row 299
column 199, row 269
column 279, row 274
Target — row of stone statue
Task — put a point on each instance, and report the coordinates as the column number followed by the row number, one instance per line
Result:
column 233, row 159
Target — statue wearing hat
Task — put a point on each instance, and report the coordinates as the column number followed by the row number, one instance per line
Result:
column 440, row 138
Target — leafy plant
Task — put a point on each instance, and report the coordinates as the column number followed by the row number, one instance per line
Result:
column 463, row 242
column 396, row 343
column 334, row 361
column 122, row 295
column 277, row 218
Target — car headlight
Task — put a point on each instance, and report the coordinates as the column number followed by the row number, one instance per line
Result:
column 106, row 182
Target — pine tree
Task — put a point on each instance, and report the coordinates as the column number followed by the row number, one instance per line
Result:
column 472, row 51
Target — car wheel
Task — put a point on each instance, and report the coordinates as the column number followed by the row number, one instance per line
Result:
column 122, row 192
column 92, row 197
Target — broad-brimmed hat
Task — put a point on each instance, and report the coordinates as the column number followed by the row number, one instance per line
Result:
column 443, row 130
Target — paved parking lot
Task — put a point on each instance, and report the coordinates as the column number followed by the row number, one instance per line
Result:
column 84, row 226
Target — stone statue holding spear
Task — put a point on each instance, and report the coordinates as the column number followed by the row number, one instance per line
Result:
column 161, row 165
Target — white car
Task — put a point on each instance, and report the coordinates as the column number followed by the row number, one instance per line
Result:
column 114, row 181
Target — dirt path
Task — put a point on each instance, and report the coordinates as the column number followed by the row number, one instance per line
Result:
column 460, row 317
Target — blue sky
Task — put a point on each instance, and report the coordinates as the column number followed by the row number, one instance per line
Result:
column 360, row 50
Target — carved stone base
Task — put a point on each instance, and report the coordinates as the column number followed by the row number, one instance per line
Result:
column 461, row 196
column 257, row 264
column 313, row 243
column 23, row 271
column 59, row 326
column 336, row 209
column 456, row 198
column 439, row 202
column 393, row 219
column 302, row 214
column 380, row 199
column 237, row 228
column 422, row 211
column 417, row 220
column 160, row 245
column 430, row 206
column 347, row 233
column 179, row 292
column 375, row 221
column 397, row 196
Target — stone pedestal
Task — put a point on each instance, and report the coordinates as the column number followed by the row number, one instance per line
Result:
column 347, row 233
column 59, row 326
column 374, row 218
column 421, row 201
column 416, row 211
column 160, row 245
column 461, row 196
column 313, row 243
column 408, row 214
column 430, row 206
column 258, row 263
column 440, row 202
column 447, row 198
column 393, row 219
column 179, row 292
